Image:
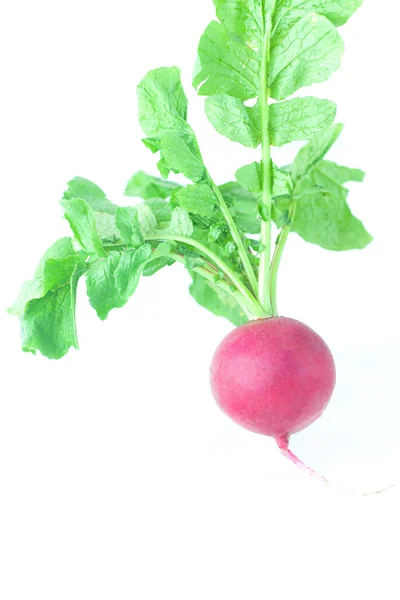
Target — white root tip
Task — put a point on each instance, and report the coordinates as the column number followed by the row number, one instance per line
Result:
column 283, row 444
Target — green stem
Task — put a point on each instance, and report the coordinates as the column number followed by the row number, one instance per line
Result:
column 250, row 299
column 276, row 261
column 251, row 276
column 223, row 285
column 232, row 228
column 266, row 226
column 119, row 246
column 244, row 298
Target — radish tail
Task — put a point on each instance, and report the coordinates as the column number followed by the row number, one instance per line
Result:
column 283, row 445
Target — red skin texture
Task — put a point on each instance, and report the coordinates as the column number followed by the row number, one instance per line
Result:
column 273, row 376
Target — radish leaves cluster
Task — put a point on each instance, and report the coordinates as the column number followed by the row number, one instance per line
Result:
column 250, row 63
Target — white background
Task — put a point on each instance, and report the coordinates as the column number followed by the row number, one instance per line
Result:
column 119, row 477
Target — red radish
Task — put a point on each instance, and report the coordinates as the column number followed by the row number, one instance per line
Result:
column 273, row 376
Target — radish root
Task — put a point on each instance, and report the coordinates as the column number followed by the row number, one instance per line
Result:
column 283, row 445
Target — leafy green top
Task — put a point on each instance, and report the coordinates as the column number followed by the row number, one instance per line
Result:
column 258, row 51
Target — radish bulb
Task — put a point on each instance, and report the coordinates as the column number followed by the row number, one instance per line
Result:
column 273, row 376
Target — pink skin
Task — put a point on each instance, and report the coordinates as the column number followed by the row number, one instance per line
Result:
column 273, row 376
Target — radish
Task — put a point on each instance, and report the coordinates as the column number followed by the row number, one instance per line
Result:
column 275, row 377
column 272, row 375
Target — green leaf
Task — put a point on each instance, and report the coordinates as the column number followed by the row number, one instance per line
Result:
column 250, row 178
column 103, row 210
column 181, row 224
column 280, row 216
column 230, row 247
column 162, row 115
column 30, row 290
column 148, row 187
column 106, row 227
column 91, row 193
column 232, row 118
column 152, row 144
column 100, row 284
column 56, row 273
column 264, row 213
column 330, row 177
column 243, row 206
column 326, row 219
column 162, row 102
column 244, row 196
column 317, row 189
column 163, row 249
column 129, row 227
column 191, row 262
column 163, row 167
column 244, row 18
column 299, row 119
column 160, row 209
column 218, row 247
column 329, row 223
column 226, row 66
column 180, row 154
column 310, row 52
column 147, row 219
column 46, row 304
column 313, row 152
column 62, row 248
column 282, row 182
column 214, row 232
column 39, row 286
column 48, row 323
column 288, row 12
column 222, row 304
column 155, row 265
column 82, row 221
column 340, row 174
column 198, row 199
column 129, row 270
column 111, row 282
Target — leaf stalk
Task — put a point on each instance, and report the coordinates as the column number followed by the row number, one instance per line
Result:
column 250, row 300
column 264, row 295
column 237, row 239
column 247, row 308
column 232, row 228
column 276, row 261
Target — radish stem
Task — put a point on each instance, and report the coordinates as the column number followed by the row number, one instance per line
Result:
column 233, row 229
column 264, row 294
column 223, row 285
column 276, row 261
column 236, row 238
column 250, row 300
